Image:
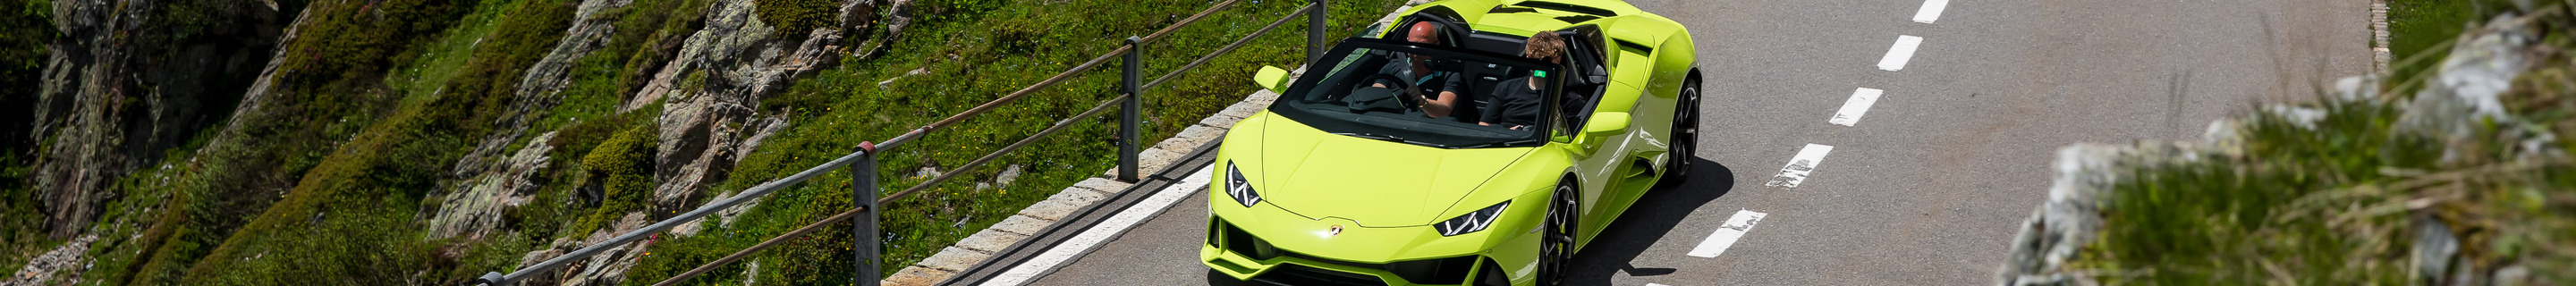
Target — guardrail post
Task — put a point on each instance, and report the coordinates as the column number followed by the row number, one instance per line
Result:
column 1135, row 103
column 1315, row 31
column 863, row 191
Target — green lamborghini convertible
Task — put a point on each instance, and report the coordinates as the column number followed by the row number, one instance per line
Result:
column 1438, row 153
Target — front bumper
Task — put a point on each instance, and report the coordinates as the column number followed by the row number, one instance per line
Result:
column 1286, row 254
column 1241, row 255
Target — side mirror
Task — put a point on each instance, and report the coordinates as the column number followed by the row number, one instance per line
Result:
column 1272, row 78
column 1605, row 123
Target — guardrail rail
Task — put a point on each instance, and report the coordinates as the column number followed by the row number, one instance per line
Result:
column 862, row 166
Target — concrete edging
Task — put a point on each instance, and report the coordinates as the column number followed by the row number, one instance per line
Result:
column 2379, row 36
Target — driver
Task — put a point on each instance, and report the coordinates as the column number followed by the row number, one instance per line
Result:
column 1517, row 102
column 1425, row 81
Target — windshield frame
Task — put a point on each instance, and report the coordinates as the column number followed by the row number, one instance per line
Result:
column 1350, row 125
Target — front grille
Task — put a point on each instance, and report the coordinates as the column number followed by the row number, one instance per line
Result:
column 1332, row 261
column 1451, row 270
column 1300, row 275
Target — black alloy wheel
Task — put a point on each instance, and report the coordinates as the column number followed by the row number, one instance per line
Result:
column 1685, row 136
column 1556, row 244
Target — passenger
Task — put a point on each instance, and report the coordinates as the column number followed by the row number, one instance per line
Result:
column 1425, row 80
column 1516, row 102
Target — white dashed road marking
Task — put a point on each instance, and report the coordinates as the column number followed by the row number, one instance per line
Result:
column 1903, row 51
column 1931, row 11
column 1799, row 166
column 1115, row 225
column 1854, row 107
column 1727, row 234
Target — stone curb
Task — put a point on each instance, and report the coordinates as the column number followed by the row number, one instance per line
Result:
column 2379, row 55
column 984, row 244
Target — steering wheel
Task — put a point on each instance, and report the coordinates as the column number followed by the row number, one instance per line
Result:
column 1404, row 91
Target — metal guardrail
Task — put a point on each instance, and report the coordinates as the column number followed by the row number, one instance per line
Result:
column 861, row 163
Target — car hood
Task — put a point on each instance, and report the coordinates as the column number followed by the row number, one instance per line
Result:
column 1373, row 183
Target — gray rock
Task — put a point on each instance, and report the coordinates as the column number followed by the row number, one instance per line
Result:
column 711, row 90
column 857, row 16
column 1009, row 174
column 2435, row 251
column 2062, row 225
column 539, row 89
column 609, row 266
column 927, row 172
column 2463, row 94
column 476, row 209
column 61, row 266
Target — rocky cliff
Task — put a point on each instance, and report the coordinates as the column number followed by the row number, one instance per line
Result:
column 129, row 80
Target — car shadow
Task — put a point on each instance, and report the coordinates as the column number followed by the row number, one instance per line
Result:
column 1647, row 222
column 1643, row 225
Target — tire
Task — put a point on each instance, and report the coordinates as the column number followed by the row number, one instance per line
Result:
column 1556, row 244
column 1685, row 136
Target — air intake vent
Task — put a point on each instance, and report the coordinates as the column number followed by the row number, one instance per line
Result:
column 1569, row 8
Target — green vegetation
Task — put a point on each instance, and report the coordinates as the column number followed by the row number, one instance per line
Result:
column 21, row 224
column 26, row 26
column 196, row 198
column 623, row 165
column 2417, row 30
column 795, row 18
column 2344, row 198
column 347, row 212
column 24, row 32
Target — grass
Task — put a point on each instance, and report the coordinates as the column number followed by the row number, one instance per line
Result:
column 2417, row 27
column 2333, row 205
column 21, row 224
column 2340, row 201
column 345, row 222
column 172, row 215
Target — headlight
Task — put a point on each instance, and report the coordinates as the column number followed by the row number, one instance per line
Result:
column 1238, row 188
column 1471, row 222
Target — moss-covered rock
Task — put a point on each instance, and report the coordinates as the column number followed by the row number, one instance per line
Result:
column 623, row 166
column 796, row 17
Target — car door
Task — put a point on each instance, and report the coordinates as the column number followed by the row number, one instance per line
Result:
column 1600, row 156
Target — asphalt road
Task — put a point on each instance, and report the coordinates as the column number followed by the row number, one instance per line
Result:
column 1928, row 187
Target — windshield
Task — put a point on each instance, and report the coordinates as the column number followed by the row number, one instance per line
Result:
column 1393, row 91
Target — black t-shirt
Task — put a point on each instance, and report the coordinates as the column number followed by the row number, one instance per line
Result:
column 1514, row 103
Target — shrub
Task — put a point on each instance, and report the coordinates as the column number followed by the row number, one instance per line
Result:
column 24, row 31
column 624, row 167
column 795, row 18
